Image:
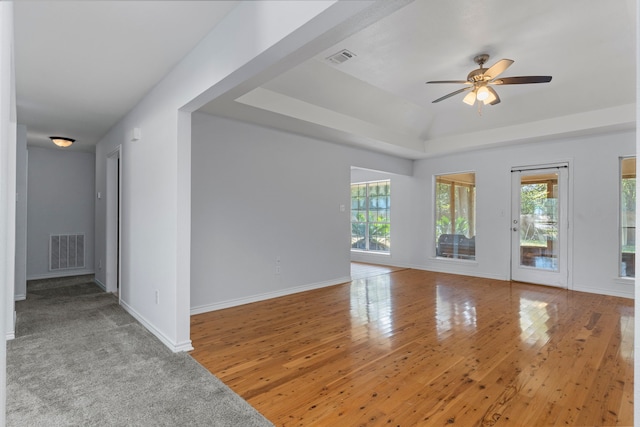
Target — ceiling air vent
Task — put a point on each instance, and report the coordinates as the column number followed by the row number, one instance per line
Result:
column 340, row 57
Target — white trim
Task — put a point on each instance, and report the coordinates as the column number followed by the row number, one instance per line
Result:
column 454, row 261
column 557, row 165
column 605, row 291
column 65, row 273
column 441, row 265
column 368, row 256
column 480, row 275
column 267, row 295
column 20, row 297
column 12, row 334
column 602, row 291
column 113, row 221
column 562, row 277
column 175, row 347
column 619, row 222
column 100, row 284
column 626, row 281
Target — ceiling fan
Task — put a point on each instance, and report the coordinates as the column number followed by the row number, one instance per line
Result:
column 480, row 80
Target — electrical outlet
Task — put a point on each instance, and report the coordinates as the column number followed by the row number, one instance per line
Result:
column 157, row 296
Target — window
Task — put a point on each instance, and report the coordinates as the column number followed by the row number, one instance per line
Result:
column 628, row 217
column 455, row 219
column 370, row 220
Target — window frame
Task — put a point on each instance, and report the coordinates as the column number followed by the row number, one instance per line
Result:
column 367, row 223
column 620, row 257
column 473, row 225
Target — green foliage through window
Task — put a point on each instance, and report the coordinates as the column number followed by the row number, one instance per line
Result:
column 455, row 214
column 627, row 217
column 370, row 216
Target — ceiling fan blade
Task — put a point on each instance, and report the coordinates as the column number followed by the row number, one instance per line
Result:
column 461, row 82
column 521, row 80
column 493, row 98
column 451, row 94
column 498, row 68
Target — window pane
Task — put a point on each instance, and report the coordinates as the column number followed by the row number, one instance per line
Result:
column 455, row 215
column 628, row 217
column 358, row 236
column 379, row 237
column 539, row 221
column 370, row 219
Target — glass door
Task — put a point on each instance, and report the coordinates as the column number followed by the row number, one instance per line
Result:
column 539, row 226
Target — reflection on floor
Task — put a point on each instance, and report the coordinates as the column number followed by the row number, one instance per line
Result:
column 360, row 270
column 419, row 348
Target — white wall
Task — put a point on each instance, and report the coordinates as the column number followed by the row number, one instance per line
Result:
column 7, row 189
column 156, row 210
column 60, row 201
column 594, row 174
column 259, row 195
column 21, row 214
column 238, row 170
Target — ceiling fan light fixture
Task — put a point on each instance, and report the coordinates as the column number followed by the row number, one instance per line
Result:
column 483, row 93
column 491, row 98
column 470, row 99
column 62, row 141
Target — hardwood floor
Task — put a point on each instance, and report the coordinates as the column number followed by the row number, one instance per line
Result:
column 415, row 348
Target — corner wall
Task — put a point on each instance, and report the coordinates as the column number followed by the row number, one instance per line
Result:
column 266, row 211
column 593, row 212
column 253, row 37
column 7, row 191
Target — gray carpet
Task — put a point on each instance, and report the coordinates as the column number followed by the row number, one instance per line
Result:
column 79, row 359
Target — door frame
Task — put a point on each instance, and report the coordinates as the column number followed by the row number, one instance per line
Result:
column 566, row 164
column 113, row 231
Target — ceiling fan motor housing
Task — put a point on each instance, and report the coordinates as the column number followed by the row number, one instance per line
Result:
column 477, row 75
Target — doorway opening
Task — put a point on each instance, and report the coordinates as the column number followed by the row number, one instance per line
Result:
column 539, row 224
column 113, row 222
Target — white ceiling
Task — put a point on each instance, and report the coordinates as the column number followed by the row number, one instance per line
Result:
column 82, row 65
column 379, row 98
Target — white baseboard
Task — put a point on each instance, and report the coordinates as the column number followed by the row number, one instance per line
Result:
column 64, row 273
column 12, row 334
column 265, row 296
column 175, row 347
column 438, row 269
column 19, row 297
column 445, row 268
column 100, row 284
column 603, row 291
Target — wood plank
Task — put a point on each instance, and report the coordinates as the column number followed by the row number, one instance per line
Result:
column 409, row 347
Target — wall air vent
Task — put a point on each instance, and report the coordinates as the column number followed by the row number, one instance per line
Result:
column 66, row 251
column 340, row 57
